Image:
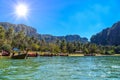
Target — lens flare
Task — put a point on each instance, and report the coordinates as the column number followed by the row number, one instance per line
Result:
column 21, row 10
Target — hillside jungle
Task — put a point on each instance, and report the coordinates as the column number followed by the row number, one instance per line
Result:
column 10, row 39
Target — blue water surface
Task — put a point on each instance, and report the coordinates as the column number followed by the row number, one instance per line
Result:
column 61, row 68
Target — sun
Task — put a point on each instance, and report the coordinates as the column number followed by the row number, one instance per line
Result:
column 21, row 10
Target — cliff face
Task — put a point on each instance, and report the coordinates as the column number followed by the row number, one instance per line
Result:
column 20, row 27
column 109, row 36
column 72, row 38
column 30, row 31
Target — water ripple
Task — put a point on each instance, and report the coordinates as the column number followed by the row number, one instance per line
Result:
column 61, row 68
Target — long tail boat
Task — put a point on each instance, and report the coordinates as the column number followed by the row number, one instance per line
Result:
column 32, row 55
column 19, row 56
column 5, row 53
column 47, row 55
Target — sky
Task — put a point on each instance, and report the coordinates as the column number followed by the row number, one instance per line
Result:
column 64, row 17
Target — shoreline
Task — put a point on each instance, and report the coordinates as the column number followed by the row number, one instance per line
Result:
column 75, row 55
column 95, row 55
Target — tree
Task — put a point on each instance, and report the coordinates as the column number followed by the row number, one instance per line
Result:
column 70, row 47
column 2, row 33
column 92, row 48
column 6, row 47
column 78, row 46
column 53, row 48
column 9, row 35
column 19, row 40
column 63, row 46
column 2, row 36
column 86, row 51
column 35, row 47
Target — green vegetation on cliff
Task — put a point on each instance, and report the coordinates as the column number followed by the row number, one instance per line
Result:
column 10, row 38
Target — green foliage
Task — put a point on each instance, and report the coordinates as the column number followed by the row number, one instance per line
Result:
column 53, row 48
column 10, row 39
column 70, row 47
column 110, row 52
column 63, row 46
column 2, row 35
column 117, row 49
column 6, row 47
column 35, row 47
column 9, row 35
column 86, row 51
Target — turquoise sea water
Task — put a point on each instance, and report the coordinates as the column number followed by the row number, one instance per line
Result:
column 61, row 68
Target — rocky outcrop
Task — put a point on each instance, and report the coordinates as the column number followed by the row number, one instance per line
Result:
column 72, row 38
column 109, row 36
column 30, row 31
column 20, row 27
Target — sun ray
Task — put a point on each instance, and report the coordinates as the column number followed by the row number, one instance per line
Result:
column 21, row 10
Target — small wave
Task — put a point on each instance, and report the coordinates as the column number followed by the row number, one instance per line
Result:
column 108, row 72
column 103, row 76
column 115, row 66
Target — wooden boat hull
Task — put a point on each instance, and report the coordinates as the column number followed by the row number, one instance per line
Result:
column 21, row 56
column 32, row 55
column 5, row 53
column 47, row 55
